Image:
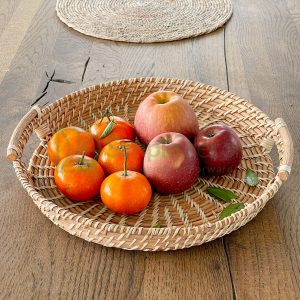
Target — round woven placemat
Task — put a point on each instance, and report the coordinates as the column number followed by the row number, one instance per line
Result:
column 144, row 21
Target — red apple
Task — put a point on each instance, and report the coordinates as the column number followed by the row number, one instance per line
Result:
column 164, row 111
column 219, row 148
column 171, row 163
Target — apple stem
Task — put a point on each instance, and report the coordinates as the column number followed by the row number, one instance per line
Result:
column 125, row 160
column 81, row 159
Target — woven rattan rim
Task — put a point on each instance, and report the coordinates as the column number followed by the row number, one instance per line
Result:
column 142, row 21
column 139, row 237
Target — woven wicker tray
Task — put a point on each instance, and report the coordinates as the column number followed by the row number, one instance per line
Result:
column 184, row 220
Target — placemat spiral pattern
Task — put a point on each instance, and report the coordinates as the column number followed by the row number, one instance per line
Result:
column 144, row 21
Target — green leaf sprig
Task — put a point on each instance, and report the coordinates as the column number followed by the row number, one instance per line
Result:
column 222, row 194
column 226, row 196
column 251, row 178
column 231, row 209
column 108, row 128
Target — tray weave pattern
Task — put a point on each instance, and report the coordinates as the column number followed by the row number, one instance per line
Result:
column 144, row 21
column 169, row 222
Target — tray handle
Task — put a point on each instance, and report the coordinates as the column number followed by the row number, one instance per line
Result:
column 13, row 150
column 286, row 150
column 284, row 169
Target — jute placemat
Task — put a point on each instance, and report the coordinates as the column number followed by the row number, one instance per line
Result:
column 144, row 21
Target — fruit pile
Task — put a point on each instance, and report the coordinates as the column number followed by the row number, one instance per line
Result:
column 107, row 160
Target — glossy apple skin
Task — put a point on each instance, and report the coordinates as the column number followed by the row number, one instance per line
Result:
column 171, row 163
column 164, row 111
column 219, row 149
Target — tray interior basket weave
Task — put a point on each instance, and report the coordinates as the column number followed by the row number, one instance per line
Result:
column 169, row 222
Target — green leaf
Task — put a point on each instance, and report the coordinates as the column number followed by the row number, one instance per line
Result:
column 231, row 209
column 221, row 194
column 251, row 178
column 157, row 226
column 107, row 129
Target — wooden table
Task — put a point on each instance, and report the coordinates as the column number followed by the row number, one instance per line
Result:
column 257, row 56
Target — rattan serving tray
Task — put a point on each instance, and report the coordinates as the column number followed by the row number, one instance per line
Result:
column 169, row 222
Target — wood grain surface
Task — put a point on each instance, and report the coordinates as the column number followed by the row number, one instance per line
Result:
column 255, row 56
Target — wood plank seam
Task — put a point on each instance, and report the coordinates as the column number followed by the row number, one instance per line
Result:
column 234, row 294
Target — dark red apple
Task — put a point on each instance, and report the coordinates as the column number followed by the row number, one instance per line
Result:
column 171, row 163
column 164, row 111
column 219, row 149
